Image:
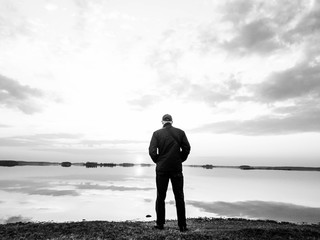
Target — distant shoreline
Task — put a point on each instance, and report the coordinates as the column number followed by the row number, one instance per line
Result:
column 248, row 167
column 13, row 163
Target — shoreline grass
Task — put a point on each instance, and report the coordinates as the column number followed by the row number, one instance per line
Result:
column 199, row 228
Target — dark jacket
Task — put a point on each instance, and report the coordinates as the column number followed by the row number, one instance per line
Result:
column 169, row 147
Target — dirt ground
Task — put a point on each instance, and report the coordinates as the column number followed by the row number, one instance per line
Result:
column 198, row 228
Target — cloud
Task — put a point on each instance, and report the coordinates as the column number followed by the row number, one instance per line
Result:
column 269, row 30
column 236, row 11
column 309, row 24
column 212, row 92
column 12, row 24
column 208, row 90
column 244, row 27
column 254, row 37
column 296, row 121
column 84, row 154
column 144, row 101
column 299, row 81
column 112, row 142
column 75, row 147
column 165, row 61
column 292, row 94
column 64, row 142
column 260, row 27
column 35, row 188
column 89, row 186
column 261, row 210
column 15, row 219
column 56, row 136
column 22, row 97
column 40, row 140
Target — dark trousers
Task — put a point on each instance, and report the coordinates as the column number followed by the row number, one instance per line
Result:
column 162, row 181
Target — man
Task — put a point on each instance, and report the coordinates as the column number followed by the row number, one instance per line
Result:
column 169, row 147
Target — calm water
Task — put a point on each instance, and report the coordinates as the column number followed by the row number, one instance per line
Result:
column 128, row 193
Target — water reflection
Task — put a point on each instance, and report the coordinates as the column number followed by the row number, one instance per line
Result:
column 261, row 210
column 127, row 193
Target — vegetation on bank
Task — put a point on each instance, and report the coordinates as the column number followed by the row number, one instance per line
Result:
column 199, row 228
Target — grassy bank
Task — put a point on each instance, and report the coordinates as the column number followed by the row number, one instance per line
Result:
column 199, row 228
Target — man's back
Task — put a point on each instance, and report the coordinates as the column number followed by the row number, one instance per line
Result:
column 169, row 147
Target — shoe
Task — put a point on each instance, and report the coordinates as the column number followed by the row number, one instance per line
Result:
column 159, row 227
column 183, row 229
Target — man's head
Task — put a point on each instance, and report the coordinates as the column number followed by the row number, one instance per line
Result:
column 167, row 118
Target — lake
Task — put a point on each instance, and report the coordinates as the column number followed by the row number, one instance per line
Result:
column 76, row 193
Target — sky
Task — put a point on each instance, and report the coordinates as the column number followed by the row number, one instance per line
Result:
column 89, row 80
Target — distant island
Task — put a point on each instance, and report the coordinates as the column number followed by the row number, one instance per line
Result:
column 13, row 163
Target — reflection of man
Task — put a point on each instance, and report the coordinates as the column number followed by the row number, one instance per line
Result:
column 169, row 147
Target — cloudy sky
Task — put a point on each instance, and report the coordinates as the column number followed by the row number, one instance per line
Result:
column 89, row 80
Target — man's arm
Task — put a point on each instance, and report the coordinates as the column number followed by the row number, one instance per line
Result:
column 153, row 148
column 185, row 146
